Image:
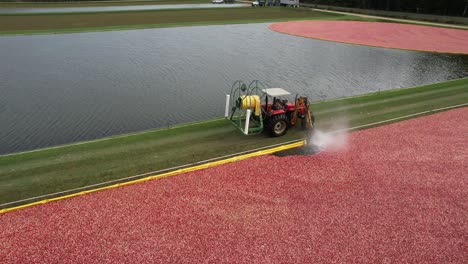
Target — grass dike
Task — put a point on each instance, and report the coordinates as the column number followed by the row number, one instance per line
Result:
column 14, row 24
column 45, row 171
column 97, row 3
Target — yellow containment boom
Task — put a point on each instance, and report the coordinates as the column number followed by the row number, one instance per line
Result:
column 251, row 101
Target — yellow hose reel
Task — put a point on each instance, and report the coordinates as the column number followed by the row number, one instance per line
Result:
column 251, row 101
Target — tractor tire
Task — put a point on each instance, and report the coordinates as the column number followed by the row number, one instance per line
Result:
column 277, row 125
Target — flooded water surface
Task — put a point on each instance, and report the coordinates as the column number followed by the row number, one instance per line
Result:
column 57, row 89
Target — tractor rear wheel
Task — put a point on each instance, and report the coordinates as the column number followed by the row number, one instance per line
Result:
column 277, row 125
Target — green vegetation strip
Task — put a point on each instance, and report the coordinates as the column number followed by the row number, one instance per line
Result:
column 79, row 22
column 41, row 172
column 98, row 3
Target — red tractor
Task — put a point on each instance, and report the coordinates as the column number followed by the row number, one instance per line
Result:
column 256, row 109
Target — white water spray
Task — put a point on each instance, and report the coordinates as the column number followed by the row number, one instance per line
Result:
column 333, row 139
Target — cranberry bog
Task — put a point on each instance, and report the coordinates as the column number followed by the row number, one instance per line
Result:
column 380, row 34
column 397, row 194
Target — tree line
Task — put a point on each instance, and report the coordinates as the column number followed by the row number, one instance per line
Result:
column 436, row 7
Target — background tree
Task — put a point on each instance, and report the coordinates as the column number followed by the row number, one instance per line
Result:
column 438, row 7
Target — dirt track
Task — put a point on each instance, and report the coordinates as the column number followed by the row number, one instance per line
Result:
column 379, row 34
column 399, row 194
